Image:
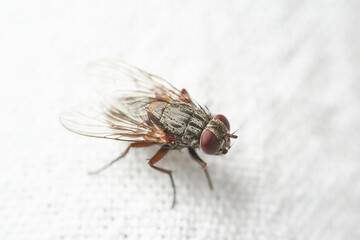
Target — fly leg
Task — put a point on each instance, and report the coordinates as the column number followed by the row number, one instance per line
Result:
column 132, row 145
column 196, row 157
column 185, row 96
column 157, row 157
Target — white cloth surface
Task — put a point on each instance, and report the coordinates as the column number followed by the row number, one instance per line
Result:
column 286, row 73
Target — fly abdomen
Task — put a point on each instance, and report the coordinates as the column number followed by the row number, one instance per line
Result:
column 175, row 118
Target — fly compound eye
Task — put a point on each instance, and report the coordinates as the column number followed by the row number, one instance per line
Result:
column 224, row 120
column 209, row 143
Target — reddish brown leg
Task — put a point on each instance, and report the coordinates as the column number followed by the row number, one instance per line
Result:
column 185, row 96
column 132, row 145
column 196, row 157
column 157, row 157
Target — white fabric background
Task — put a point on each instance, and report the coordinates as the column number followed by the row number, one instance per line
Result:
column 286, row 72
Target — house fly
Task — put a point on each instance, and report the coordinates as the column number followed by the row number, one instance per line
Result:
column 145, row 110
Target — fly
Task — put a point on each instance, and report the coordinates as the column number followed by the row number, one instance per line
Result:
column 145, row 110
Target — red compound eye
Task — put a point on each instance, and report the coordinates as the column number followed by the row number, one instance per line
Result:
column 224, row 120
column 209, row 143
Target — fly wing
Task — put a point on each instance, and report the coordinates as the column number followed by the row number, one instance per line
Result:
column 108, row 121
column 127, row 92
column 113, row 76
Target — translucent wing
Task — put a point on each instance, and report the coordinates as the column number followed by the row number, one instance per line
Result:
column 106, row 121
column 113, row 76
column 123, row 115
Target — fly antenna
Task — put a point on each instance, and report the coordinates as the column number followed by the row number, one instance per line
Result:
column 232, row 135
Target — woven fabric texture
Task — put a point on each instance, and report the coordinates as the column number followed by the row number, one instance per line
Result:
column 285, row 73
